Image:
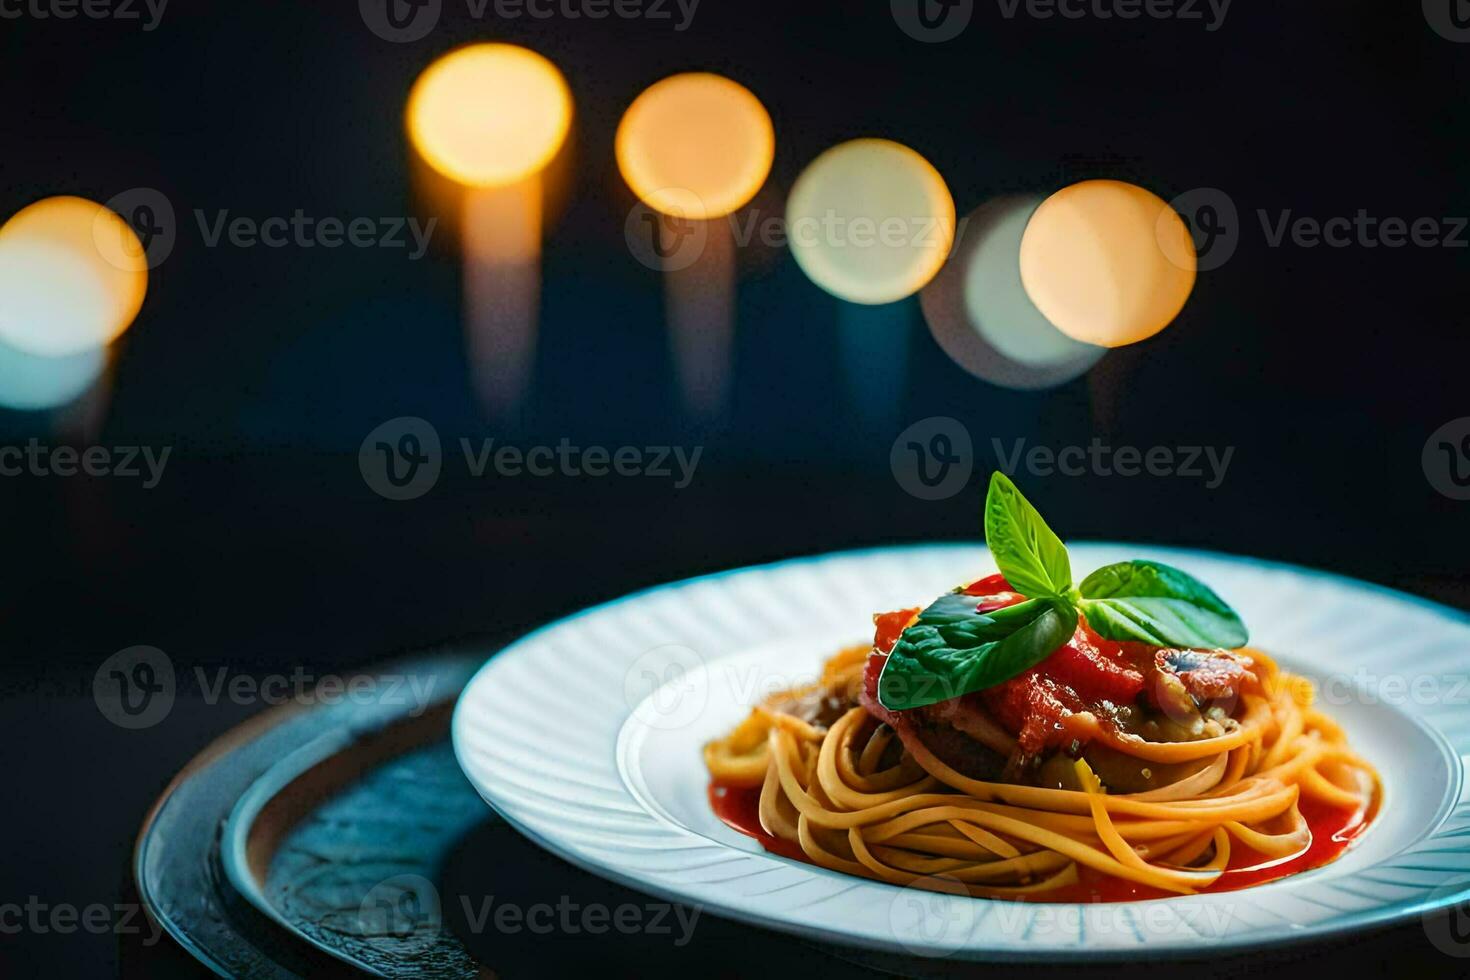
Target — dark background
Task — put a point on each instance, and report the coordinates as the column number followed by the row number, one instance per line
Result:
column 262, row 549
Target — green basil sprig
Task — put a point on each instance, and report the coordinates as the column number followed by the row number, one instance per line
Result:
column 1158, row 605
column 1027, row 551
column 953, row 649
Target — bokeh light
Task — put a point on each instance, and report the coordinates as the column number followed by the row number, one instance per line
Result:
column 1108, row 262
column 501, row 237
column 72, row 277
column 699, row 135
column 489, row 114
column 870, row 221
column 30, row 383
column 979, row 312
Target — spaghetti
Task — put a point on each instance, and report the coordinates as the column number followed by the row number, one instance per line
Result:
column 865, row 792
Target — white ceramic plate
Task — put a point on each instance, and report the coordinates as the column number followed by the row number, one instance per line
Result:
column 586, row 736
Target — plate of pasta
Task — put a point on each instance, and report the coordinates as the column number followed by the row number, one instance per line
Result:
column 1024, row 751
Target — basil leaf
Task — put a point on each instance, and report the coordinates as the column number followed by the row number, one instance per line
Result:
column 1027, row 552
column 1158, row 605
column 952, row 649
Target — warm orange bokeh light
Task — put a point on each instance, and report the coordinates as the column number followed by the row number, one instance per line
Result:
column 72, row 277
column 699, row 137
column 1107, row 262
column 489, row 114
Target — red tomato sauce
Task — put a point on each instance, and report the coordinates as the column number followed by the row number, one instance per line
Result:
column 739, row 808
column 1334, row 830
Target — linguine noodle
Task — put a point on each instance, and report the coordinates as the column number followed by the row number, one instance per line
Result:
column 853, row 803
